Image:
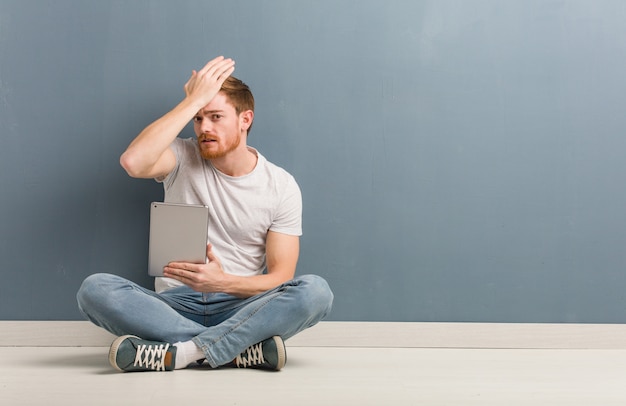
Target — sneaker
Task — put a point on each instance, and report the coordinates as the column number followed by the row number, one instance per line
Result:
column 132, row 354
column 268, row 354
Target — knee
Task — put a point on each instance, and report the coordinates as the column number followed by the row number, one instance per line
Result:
column 316, row 294
column 94, row 289
column 92, row 283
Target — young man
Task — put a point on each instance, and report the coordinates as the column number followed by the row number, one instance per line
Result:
column 238, row 307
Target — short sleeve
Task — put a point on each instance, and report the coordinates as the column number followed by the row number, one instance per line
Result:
column 288, row 217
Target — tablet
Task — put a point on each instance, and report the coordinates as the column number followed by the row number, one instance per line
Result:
column 178, row 232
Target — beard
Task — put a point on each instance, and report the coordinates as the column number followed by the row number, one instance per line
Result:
column 221, row 151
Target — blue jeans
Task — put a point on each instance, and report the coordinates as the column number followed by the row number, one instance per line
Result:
column 222, row 325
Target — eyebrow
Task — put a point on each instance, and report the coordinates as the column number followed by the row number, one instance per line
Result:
column 211, row 111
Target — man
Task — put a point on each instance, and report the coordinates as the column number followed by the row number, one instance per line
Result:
column 238, row 307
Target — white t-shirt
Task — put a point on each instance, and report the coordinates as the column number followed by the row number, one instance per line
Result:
column 241, row 209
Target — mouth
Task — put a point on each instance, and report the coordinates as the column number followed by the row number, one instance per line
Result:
column 207, row 140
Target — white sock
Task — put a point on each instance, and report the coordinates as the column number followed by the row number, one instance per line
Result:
column 187, row 353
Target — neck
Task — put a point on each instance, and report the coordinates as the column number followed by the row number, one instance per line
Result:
column 238, row 162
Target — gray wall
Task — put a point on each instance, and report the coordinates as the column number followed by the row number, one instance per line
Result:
column 459, row 160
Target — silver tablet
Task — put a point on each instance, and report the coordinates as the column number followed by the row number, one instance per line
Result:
column 178, row 232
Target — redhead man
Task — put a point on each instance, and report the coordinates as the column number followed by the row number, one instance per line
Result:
column 238, row 307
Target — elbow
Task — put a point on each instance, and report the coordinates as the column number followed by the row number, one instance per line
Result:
column 138, row 164
column 129, row 162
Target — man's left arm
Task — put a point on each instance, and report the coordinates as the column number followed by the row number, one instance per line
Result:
column 282, row 251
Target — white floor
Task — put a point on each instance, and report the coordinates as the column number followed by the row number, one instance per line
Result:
column 325, row 376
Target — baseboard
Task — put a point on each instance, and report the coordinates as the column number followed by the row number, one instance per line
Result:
column 359, row 334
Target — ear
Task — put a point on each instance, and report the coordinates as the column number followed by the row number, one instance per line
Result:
column 245, row 119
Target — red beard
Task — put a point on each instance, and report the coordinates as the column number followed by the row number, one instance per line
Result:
column 207, row 141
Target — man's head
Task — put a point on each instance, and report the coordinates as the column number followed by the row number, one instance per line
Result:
column 222, row 123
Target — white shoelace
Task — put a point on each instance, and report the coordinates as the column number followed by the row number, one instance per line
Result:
column 251, row 357
column 151, row 356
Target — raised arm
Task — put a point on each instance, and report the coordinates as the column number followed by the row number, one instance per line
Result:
column 149, row 155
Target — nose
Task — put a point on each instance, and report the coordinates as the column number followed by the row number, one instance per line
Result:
column 204, row 126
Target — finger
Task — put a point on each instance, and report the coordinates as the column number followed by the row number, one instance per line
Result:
column 218, row 70
column 224, row 75
column 210, row 64
column 180, row 267
column 210, row 255
column 170, row 273
column 220, row 77
column 176, row 265
column 177, row 273
column 190, row 81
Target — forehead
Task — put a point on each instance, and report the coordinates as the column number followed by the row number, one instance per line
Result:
column 219, row 103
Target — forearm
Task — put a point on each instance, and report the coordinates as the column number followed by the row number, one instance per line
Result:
column 281, row 257
column 148, row 147
column 247, row 286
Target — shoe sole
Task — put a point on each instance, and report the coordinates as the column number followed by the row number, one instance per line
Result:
column 282, row 353
column 113, row 350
